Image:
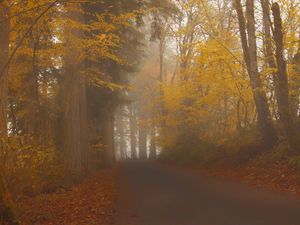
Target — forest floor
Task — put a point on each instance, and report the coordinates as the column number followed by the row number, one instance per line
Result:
column 89, row 203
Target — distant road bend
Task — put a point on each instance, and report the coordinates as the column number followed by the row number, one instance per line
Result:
column 151, row 194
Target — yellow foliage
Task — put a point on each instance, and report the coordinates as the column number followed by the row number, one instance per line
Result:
column 207, row 101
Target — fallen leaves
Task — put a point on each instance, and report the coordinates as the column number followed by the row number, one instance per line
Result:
column 90, row 203
column 279, row 177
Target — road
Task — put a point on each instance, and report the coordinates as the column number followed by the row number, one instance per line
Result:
column 152, row 194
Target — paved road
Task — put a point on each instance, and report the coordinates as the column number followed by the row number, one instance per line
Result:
column 152, row 194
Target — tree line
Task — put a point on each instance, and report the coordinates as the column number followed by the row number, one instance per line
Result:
column 86, row 82
column 64, row 69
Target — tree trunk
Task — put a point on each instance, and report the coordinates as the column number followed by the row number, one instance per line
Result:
column 133, row 131
column 33, row 118
column 75, row 123
column 250, row 55
column 268, row 39
column 75, row 111
column 162, row 109
column 7, row 212
column 268, row 51
column 295, row 101
column 142, row 141
column 282, row 79
column 161, row 58
column 153, row 150
column 4, row 54
column 120, row 127
column 108, row 139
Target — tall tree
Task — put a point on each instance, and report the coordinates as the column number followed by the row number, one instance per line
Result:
column 153, row 145
column 4, row 54
column 249, row 45
column 294, row 100
column 142, row 140
column 108, row 138
column 120, row 131
column 7, row 213
column 133, row 131
column 75, row 111
column 282, row 89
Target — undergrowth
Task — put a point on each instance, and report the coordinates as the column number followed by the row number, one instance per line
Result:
column 239, row 150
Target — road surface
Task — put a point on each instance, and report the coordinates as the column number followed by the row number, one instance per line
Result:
column 151, row 194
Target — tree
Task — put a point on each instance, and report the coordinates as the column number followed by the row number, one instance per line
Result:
column 75, row 114
column 248, row 40
column 142, row 139
column 133, row 131
column 281, row 81
column 153, row 145
column 4, row 54
column 7, row 211
column 120, row 131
